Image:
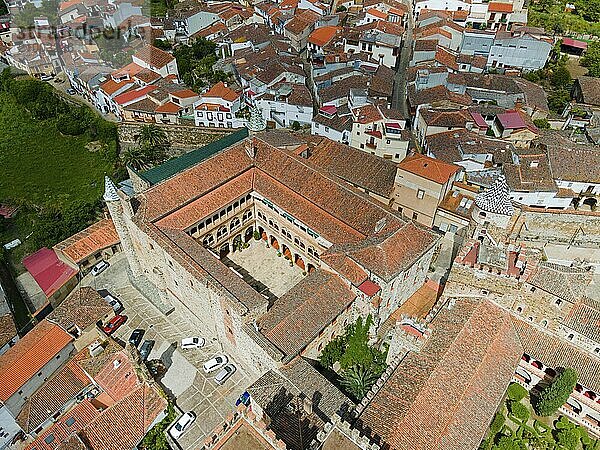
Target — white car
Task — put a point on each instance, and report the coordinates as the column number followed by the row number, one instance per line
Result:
column 184, row 422
column 99, row 268
column 215, row 363
column 224, row 373
column 192, row 342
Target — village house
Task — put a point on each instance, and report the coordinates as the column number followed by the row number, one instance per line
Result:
column 422, row 183
column 219, row 107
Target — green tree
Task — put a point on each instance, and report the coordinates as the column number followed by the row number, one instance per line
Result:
column 332, row 352
column 358, row 381
column 519, row 410
column 152, row 136
column 556, row 393
column 137, row 158
column 196, row 64
column 516, row 392
column 509, row 443
column 561, row 78
column 591, row 59
column 542, row 123
column 568, row 438
column 558, row 99
column 295, row 125
column 162, row 44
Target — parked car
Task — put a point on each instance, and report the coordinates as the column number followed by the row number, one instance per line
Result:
column 192, row 342
column 71, row 91
column 215, row 363
column 113, row 301
column 146, row 348
column 99, row 268
column 114, row 323
column 136, row 337
column 184, row 422
column 224, row 374
column 244, row 399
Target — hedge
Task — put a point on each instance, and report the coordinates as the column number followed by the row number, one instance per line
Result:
column 497, row 423
column 516, row 392
column 519, row 410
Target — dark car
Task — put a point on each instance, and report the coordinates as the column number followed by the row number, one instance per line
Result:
column 146, row 348
column 114, row 323
column 136, row 337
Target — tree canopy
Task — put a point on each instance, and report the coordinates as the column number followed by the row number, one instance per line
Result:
column 195, row 63
column 591, row 59
column 556, row 393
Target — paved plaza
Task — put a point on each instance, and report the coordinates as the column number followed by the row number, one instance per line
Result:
column 194, row 390
column 264, row 265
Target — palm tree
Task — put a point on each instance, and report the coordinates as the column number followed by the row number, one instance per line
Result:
column 152, row 136
column 137, row 158
column 358, row 381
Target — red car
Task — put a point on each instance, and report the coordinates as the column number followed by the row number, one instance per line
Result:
column 114, row 323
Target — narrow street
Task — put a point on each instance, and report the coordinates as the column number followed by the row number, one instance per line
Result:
column 399, row 98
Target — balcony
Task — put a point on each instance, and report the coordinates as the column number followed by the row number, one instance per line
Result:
column 371, row 145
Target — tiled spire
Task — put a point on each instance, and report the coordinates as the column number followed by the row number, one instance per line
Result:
column 110, row 191
column 257, row 122
column 496, row 198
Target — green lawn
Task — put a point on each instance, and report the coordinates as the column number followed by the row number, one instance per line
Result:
column 41, row 167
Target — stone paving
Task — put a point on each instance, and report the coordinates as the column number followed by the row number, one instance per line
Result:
column 185, row 379
column 264, row 265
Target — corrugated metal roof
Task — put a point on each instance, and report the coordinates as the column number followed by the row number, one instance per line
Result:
column 176, row 165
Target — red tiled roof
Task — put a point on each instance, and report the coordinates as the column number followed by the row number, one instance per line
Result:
column 184, row 93
column 118, row 377
column 71, row 422
column 111, row 86
column 219, row 90
column 429, row 168
column 123, row 425
column 511, row 120
column 29, row 355
column 168, row 108
column 377, row 13
column 153, row 56
column 130, row 69
column 298, row 316
column 369, row 288
column 500, row 7
column 134, row 94
column 444, row 396
column 49, row 272
column 367, row 114
column 323, row 35
column 94, row 238
column 575, row 43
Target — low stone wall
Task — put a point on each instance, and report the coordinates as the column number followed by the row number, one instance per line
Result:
column 182, row 137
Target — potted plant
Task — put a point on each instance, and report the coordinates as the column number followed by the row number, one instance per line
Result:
column 256, row 235
column 278, row 254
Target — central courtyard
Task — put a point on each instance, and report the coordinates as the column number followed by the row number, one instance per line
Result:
column 263, row 265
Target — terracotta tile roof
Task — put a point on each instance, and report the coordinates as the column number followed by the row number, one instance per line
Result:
column 87, row 242
column 147, row 76
column 446, row 118
column 584, row 318
column 451, row 146
column 298, row 316
column 429, row 168
column 117, row 377
column 168, row 108
column 210, row 202
column 130, row 69
column 438, row 95
column 389, row 253
column 590, row 90
column 124, row 424
column 110, row 87
column 346, row 267
column 446, row 58
column 58, row 391
column 554, row 352
column 69, row 424
column 500, row 7
column 29, row 355
column 377, row 13
column 144, row 105
column 219, row 90
column 567, row 283
column 531, row 174
column 445, row 395
column 358, row 168
column 83, row 308
column 321, row 36
column 153, row 56
column 184, row 93
column 133, row 94
column 366, row 114
column 301, row 21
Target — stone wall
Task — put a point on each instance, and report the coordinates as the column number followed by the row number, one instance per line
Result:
column 182, row 137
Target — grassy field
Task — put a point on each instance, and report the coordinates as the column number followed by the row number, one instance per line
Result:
column 41, row 167
column 41, row 170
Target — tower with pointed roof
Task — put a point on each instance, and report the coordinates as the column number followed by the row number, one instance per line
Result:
column 118, row 207
column 493, row 205
column 257, row 122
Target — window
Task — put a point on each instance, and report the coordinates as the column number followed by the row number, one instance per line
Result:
column 597, row 350
column 222, row 232
column 235, row 223
column 208, row 240
column 570, row 336
column 228, row 115
column 247, row 216
column 415, row 216
column 229, row 208
column 200, row 114
column 420, row 193
column 558, row 302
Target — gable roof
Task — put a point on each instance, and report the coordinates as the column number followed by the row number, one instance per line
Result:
column 48, row 271
column 465, row 364
column 321, row 36
column 219, row 90
column 83, row 307
column 29, row 355
column 87, row 242
column 429, row 168
column 154, row 57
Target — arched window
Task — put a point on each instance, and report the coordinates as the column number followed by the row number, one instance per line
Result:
column 222, row 232
column 247, row 216
column 273, row 224
column 208, row 240
column 261, row 215
column 235, row 223
column 299, row 243
column 286, row 233
column 312, row 252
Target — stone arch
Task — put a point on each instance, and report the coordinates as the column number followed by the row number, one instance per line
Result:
column 224, row 250
column 263, row 233
column 274, row 243
column 299, row 261
column 310, row 268
column 248, row 234
column 285, row 250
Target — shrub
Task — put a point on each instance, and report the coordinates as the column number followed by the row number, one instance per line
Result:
column 519, row 410
column 541, row 123
column 516, row 392
column 556, row 394
column 497, row 423
column 332, row 352
column 509, row 443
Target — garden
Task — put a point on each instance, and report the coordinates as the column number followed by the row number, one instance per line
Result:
column 351, row 363
column 531, row 422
